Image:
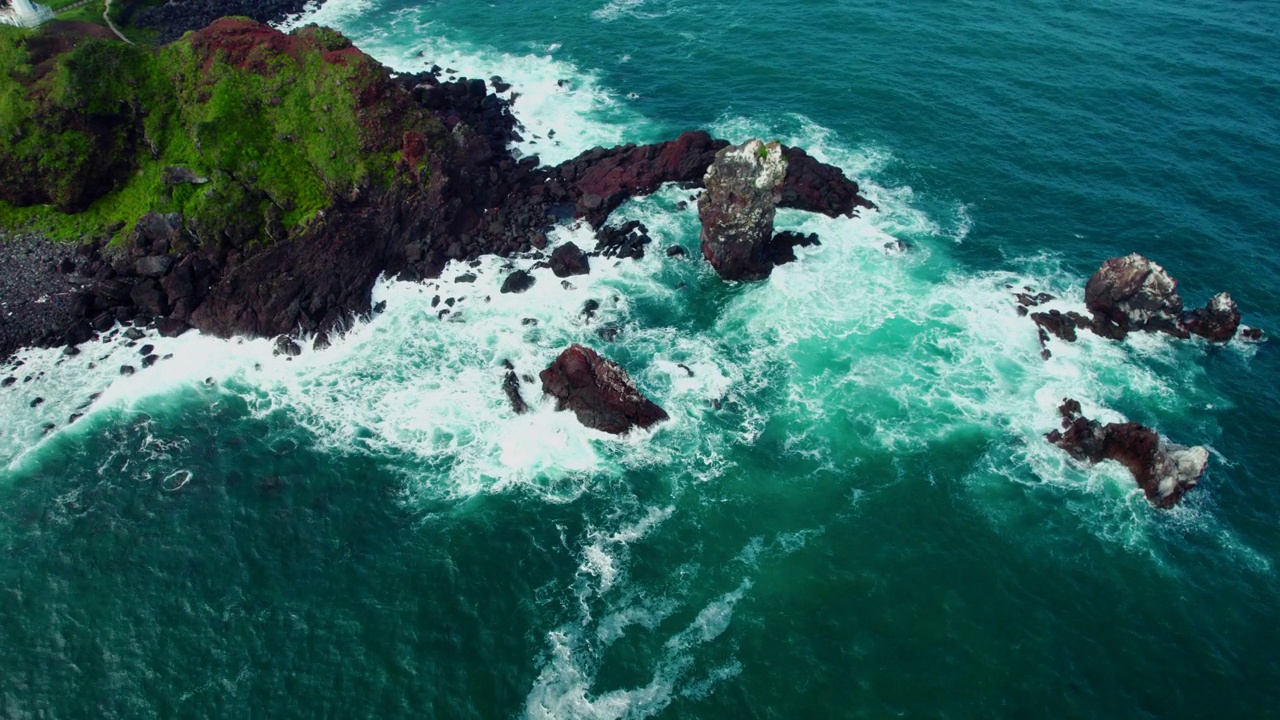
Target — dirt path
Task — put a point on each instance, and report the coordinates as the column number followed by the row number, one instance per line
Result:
column 106, row 15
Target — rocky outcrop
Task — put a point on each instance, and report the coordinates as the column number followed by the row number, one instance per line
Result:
column 517, row 282
column 170, row 20
column 1129, row 294
column 1133, row 293
column 598, row 391
column 1164, row 470
column 511, row 388
column 1217, row 321
column 744, row 186
column 817, row 187
column 626, row 241
column 456, row 193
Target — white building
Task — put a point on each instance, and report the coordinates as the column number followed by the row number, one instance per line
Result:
column 25, row 14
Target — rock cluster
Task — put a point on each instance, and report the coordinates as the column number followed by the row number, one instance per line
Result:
column 172, row 19
column 598, row 391
column 1164, row 470
column 1131, row 293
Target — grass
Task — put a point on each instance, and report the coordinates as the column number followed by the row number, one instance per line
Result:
column 278, row 144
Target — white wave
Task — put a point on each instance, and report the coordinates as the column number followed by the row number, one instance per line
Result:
column 564, row 109
column 603, row 557
column 330, row 13
column 563, row 688
column 615, row 8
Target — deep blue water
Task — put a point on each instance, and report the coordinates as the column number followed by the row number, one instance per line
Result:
column 851, row 513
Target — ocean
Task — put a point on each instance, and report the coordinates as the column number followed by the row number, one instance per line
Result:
column 852, row 511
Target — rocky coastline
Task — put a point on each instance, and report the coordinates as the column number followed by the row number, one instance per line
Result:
column 458, row 192
column 465, row 197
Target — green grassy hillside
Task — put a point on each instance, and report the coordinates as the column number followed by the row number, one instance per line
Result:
column 273, row 128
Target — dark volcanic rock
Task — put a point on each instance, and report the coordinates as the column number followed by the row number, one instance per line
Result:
column 1063, row 325
column 627, row 241
column 598, row 181
column 155, row 230
column 744, row 186
column 286, row 345
column 1133, row 293
column 1217, row 321
column 511, row 387
column 782, row 247
column 1164, row 470
column 29, row 274
column 455, row 196
column 517, row 282
column 154, row 265
column 170, row 20
column 598, row 391
column 568, row 259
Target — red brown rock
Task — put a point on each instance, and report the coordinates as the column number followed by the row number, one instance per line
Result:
column 1164, row 470
column 598, row 391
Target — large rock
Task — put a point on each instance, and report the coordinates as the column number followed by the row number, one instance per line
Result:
column 1217, row 321
column 1164, row 470
column 744, row 186
column 598, row 391
column 568, row 259
column 817, row 187
column 1134, row 293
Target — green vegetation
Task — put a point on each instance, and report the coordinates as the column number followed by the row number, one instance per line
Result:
column 87, row 137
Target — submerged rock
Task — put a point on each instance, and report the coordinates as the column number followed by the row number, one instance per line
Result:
column 598, row 391
column 511, row 387
column 744, row 187
column 1164, row 470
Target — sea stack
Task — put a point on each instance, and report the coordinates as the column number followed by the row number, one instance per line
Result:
column 744, row 186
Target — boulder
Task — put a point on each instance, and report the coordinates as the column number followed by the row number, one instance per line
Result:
column 158, row 230
column 627, row 241
column 150, row 298
column 286, row 345
column 1164, row 470
column 1133, row 293
column 744, row 186
column 517, row 282
column 598, row 391
column 568, row 259
column 153, row 265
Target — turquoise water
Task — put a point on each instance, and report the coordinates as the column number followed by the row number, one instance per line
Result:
column 851, row 512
